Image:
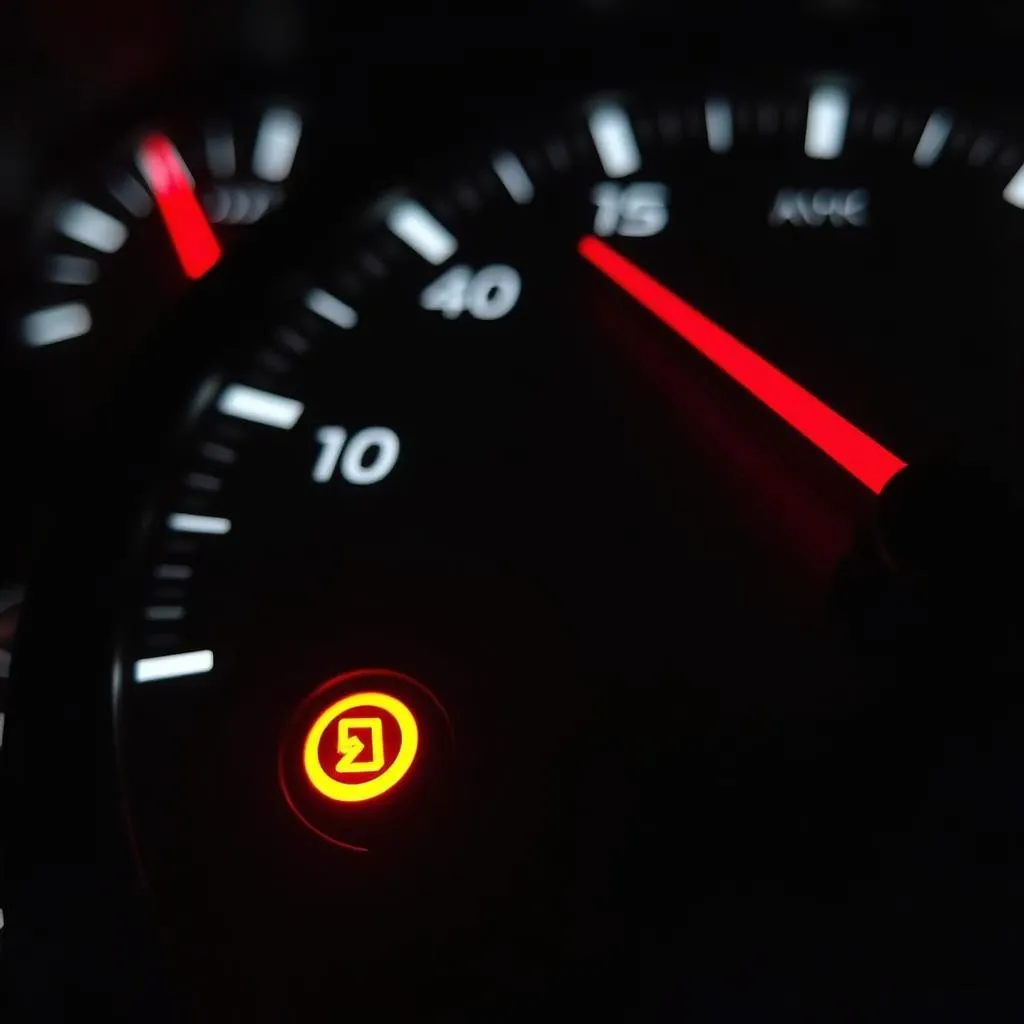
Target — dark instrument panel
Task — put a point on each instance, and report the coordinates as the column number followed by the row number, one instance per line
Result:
column 509, row 513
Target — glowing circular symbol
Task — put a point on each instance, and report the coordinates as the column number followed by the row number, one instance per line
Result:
column 360, row 747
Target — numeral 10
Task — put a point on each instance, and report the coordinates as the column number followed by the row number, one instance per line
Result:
column 365, row 458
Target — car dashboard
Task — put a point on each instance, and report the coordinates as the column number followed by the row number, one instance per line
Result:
column 511, row 512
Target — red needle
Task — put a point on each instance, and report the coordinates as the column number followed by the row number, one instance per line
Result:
column 857, row 453
column 191, row 235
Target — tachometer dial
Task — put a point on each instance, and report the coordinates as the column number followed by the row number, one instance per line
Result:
column 576, row 444
column 118, row 249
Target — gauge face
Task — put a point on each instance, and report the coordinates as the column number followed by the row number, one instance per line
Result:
column 119, row 249
column 577, row 438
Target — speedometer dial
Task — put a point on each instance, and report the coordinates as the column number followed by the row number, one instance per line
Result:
column 537, row 518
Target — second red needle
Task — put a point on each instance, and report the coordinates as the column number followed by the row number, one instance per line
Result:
column 861, row 455
column 193, row 239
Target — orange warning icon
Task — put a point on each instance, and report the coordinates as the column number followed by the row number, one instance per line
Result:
column 360, row 747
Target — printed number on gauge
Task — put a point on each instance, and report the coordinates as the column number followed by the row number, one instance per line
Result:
column 365, row 458
column 486, row 294
column 636, row 210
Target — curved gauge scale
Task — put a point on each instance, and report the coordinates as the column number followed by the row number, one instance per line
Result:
column 537, row 483
column 120, row 246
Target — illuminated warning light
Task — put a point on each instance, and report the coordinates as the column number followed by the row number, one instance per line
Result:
column 366, row 760
column 360, row 747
